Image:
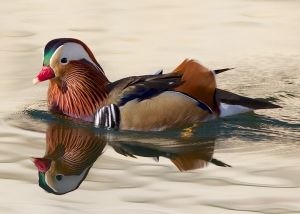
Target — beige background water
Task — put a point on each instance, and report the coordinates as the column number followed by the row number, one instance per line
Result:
column 260, row 38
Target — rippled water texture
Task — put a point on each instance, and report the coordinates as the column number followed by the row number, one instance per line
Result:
column 136, row 172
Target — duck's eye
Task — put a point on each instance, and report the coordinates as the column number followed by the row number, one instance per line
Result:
column 59, row 177
column 64, row 60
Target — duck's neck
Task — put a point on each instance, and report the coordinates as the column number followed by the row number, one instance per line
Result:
column 79, row 94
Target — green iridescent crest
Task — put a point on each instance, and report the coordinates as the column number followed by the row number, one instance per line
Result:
column 47, row 57
column 43, row 184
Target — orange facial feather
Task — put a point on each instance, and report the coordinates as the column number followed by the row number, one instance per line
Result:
column 79, row 92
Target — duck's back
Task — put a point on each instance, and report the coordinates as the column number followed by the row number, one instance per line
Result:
column 190, row 102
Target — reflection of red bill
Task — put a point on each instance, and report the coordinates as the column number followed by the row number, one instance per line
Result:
column 43, row 164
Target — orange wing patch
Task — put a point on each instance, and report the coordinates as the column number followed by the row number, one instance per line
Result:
column 199, row 82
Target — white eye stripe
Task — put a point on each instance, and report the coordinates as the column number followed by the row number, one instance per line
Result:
column 73, row 51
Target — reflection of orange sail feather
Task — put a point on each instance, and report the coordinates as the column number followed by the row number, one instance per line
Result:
column 185, row 155
column 196, row 159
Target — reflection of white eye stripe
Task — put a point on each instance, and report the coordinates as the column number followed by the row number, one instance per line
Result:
column 107, row 116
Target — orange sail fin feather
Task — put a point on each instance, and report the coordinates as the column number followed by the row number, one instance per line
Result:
column 79, row 88
column 198, row 81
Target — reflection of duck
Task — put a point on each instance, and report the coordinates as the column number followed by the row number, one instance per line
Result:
column 184, row 155
column 70, row 153
column 79, row 88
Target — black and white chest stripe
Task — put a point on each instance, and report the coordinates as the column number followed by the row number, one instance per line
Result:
column 107, row 116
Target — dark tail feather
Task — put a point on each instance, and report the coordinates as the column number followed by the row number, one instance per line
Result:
column 159, row 72
column 218, row 71
column 219, row 163
column 234, row 99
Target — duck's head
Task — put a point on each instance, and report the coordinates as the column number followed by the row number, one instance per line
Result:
column 55, row 179
column 60, row 54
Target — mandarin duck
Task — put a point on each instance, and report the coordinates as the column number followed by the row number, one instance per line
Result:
column 188, row 95
column 70, row 153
